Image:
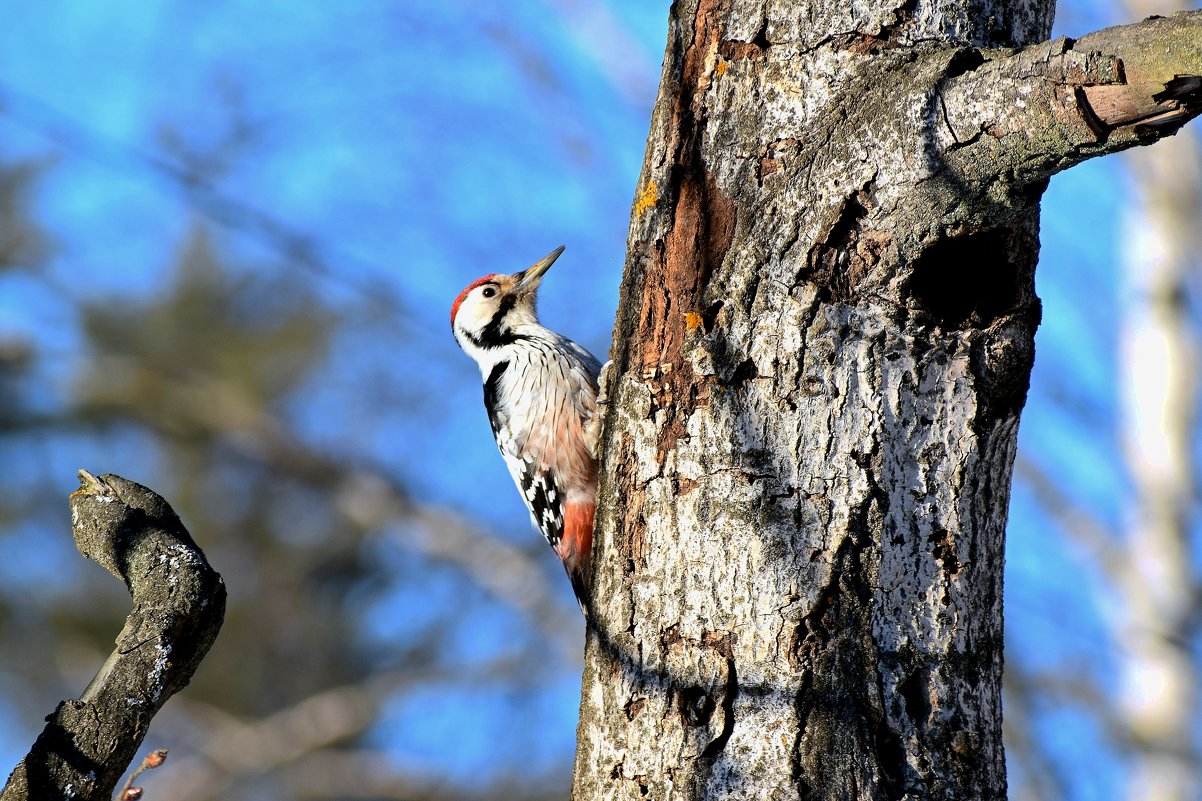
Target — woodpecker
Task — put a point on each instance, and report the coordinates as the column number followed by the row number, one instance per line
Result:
column 540, row 392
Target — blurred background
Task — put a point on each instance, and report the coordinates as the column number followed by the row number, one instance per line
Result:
column 230, row 233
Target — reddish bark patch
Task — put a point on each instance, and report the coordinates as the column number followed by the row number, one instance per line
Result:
column 675, row 269
column 702, row 228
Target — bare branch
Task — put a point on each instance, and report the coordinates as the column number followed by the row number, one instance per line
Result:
column 1161, row 74
column 1102, row 93
column 178, row 608
column 151, row 761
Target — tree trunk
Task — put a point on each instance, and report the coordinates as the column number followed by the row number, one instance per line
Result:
column 824, row 342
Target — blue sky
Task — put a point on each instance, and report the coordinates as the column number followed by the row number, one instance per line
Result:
column 419, row 145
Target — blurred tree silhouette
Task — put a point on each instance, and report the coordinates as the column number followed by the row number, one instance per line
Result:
column 22, row 241
column 202, row 384
column 215, row 355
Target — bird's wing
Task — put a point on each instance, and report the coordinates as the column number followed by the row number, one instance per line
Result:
column 536, row 484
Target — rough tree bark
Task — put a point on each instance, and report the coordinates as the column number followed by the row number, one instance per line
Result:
column 823, row 345
column 178, row 608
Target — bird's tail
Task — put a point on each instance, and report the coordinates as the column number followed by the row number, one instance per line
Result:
column 575, row 549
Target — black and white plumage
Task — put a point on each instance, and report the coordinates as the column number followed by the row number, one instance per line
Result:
column 540, row 392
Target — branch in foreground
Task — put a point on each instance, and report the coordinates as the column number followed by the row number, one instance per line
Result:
column 178, row 608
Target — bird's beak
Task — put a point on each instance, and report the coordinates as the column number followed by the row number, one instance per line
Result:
column 529, row 278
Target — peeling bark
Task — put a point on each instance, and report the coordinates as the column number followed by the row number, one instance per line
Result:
column 178, row 607
column 824, row 342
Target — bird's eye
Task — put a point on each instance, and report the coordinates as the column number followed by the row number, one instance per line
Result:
column 489, row 291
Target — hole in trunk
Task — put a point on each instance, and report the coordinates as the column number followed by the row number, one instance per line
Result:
column 967, row 280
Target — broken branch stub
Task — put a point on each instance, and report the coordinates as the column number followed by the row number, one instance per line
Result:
column 1032, row 112
column 178, row 608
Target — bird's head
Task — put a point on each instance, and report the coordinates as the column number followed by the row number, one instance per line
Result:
column 491, row 311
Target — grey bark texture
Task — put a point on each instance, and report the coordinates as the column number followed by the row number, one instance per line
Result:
column 178, row 608
column 823, row 345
